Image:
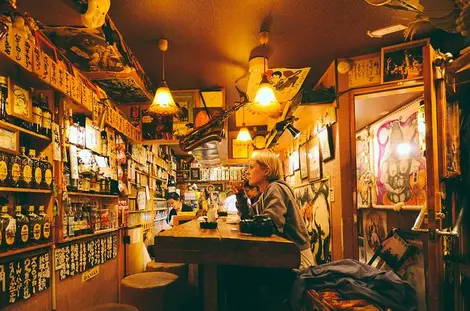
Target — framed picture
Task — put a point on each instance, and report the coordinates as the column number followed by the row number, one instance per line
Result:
column 451, row 136
column 325, row 138
column 9, row 139
column 314, row 161
column 295, row 161
column 303, row 161
column 213, row 98
column 239, row 149
column 20, row 101
column 195, row 173
column 402, row 62
column 135, row 115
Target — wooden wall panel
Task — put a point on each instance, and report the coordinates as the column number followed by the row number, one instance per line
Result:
column 39, row 302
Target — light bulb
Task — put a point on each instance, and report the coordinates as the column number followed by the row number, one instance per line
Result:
column 163, row 102
column 265, row 96
column 244, row 134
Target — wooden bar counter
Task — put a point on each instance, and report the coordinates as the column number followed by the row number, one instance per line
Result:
column 225, row 245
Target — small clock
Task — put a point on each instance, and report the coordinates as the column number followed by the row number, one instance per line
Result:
column 259, row 142
column 344, row 66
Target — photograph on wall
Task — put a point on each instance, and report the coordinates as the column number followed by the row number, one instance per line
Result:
column 135, row 115
column 375, row 230
column 156, row 126
column 403, row 61
column 399, row 163
column 364, row 175
column 303, row 161
column 239, row 149
column 313, row 201
column 314, row 161
column 326, row 143
column 295, row 161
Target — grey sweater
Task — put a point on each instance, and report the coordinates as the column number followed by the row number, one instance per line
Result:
column 278, row 202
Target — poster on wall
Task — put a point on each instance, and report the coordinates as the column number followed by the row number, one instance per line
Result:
column 364, row 71
column 314, row 161
column 364, row 175
column 313, row 200
column 375, row 230
column 399, row 163
column 156, row 126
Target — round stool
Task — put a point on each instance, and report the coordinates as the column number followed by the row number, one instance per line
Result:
column 112, row 307
column 180, row 269
column 149, row 291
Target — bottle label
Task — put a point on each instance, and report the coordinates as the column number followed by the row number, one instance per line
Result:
column 27, row 174
column 46, row 120
column 37, row 115
column 15, row 172
column 47, row 230
column 38, row 175
column 37, row 231
column 3, row 171
column 24, row 233
column 10, row 232
column 48, row 177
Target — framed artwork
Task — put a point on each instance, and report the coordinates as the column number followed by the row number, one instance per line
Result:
column 213, row 98
column 9, row 139
column 325, row 138
column 314, row 161
column 201, row 115
column 375, row 230
column 295, row 161
column 303, row 161
column 451, row 136
column 135, row 115
column 365, row 70
column 364, row 174
column 402, row 62
column 239, row 149
column 195, row 173
column 155, row 126
column 21, row 105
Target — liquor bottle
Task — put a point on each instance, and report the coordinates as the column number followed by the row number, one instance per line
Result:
column 46, row 116
column 37, row 116
column 15, row 171
column 104, row 143
column 8, row 229
column 26, row 170
column 34, row 226
column 4, row 109
column 45, row 224
column 67, row 123
column 38, row 174
column 47, row 173
column 22, row 227
column 4, row 169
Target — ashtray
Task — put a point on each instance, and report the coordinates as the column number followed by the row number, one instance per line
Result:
column 222, row 213
column 208, row 225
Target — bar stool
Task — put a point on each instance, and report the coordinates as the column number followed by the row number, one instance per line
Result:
column 149, row 291
column 112, row 307
column 180, row 269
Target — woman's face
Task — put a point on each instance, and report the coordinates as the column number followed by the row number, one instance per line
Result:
column 173, row 203
column 256, row 173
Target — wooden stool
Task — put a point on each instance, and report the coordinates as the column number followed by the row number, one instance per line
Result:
column 112, row 307
column 180, row 269
column 149, row 291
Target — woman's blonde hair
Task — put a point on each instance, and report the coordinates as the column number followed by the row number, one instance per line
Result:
column 267, row 159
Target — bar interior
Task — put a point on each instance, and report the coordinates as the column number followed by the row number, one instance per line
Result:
column 234, row 155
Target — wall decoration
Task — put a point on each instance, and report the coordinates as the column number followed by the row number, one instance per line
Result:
column 451, row 135
column 313, row 201
column 125, row 90
column 399, row 164
column 156, row 126
column 325, row 138
column 201, row 116
column 77, row 257
column 135, row 115
column 403, row 61
column 9, row 139
column 239, row 149
column 303, row 161
column 195, row 173
column 285, row 168
column 329, row 116
column 314, row 161
column 375, row 230
column 364, row 175
column 361, row 250
column 21, row 105
column 365, row 71
column 24, row 277
column 214, row 98
column 295, row 161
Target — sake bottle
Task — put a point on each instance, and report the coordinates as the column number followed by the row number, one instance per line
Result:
column 45, row 224
column 26, row 170
column 4, row 169
column 22, row 227
column 34, row 226
column 8, row 229
column 37, row 171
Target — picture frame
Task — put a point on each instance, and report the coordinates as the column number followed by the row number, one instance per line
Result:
column 295, row 161
column 239, row 149
column 186, row 101
column 21, row 105
column 303, row 161
column 314, row 161
column 195, row 173
column 451, row 136
column 402, row 62
column 325, row 138
column 9, row 139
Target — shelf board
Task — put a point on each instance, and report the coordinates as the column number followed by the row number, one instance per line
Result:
column 160, row 209
column 97, row 195
column 139, row 211
column 84, row 236
column 10, row 189
column 25, row 131
column 25, row 249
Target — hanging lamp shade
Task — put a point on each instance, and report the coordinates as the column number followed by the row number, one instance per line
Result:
column 244, row 134
column 163, row 102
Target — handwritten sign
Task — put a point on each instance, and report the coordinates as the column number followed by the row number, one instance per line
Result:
column 364, row 72
column 81, row 256
column 24, row 277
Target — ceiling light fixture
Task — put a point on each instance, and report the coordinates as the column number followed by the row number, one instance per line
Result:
column 294, row 132
column 379, row 33
column 163, row 102
column 244, row 134
column 265, row 98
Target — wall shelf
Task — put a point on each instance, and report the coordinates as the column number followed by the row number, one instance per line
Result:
column 96, row 195
column 25, row 249
column 10, row 189
column 25, row 131
column 84, row 236
column 139, row 211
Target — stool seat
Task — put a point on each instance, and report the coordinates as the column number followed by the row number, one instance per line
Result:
column 148, row 291
column 180, row 269
column 112, row 307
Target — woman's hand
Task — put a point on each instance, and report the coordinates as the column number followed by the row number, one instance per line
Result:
column 236, row 187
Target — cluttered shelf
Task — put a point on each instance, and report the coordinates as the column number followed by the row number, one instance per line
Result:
column 140, row 211
column 10, row 189
column 97, row 195
column 25, row 131
column 84, row 236
column 25, row 249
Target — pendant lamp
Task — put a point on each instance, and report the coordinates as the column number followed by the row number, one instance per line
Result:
column 244, row 133
column 163, row 102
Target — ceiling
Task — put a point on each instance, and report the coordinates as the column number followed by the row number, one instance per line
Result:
column 210, row 41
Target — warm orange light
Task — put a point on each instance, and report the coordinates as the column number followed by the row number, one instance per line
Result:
column 163, row 102
column 244, row 134
column 265, row 97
